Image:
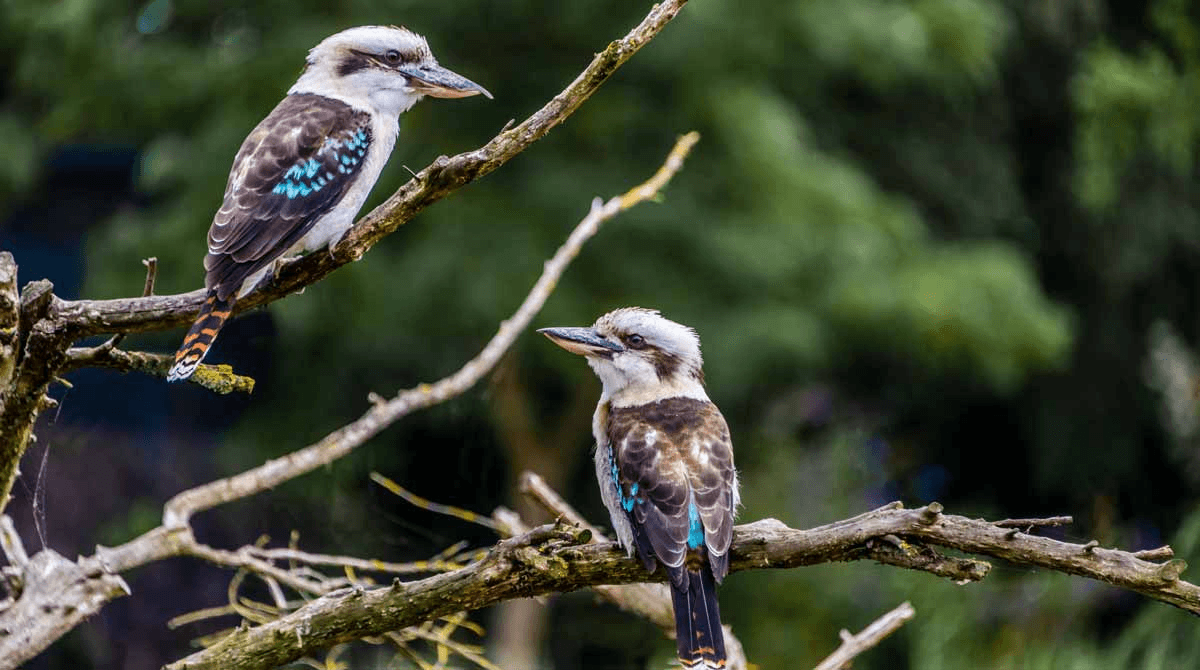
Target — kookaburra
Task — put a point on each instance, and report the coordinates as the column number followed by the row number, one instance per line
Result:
column 303, row 173
column 664, row 461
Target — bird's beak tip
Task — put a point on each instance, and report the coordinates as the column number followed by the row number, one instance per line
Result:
column 582, row 341
column 438, row 82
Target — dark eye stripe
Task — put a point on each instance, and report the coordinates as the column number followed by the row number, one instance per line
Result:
column 353, row 62
column 356, row 60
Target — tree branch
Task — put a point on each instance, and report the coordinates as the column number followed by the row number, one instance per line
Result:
column 853, row 645
column 43, row 351
column 10, row 318
column 558, row 558
column 56, row 595
column 216, row 378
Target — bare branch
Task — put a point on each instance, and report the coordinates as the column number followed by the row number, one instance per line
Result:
column 10, row 543
column 10, row 319
column 364, row 564
column 147, row 290
column 853, row 645
column 557, row 559
column 57, row 594
column 217, row 378
column 437, row 508
column 42, row 352
column 1159, row 554
column 151, row 275
column 1028, row 524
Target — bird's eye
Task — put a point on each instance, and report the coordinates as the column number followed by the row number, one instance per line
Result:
column 635, row 341
column 392, row 56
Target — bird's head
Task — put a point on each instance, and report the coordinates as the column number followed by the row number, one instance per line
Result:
column 639, row 355
column 386, row 67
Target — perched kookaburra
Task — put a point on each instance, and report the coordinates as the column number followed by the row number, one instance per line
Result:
column 664, row 461
column 303, row 173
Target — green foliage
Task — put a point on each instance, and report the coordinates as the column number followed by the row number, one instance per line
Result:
column 1138, row 105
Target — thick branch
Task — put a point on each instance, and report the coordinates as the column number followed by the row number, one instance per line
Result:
column 558, row 559
column 44, row 351
column 57, row 594
column 10, row 318
column 441, row 178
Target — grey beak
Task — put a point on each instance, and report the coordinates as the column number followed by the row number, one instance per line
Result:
column 436, row 81
column 582, row 341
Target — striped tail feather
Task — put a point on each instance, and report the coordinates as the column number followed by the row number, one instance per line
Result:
column 213, row 314
column 698, row 634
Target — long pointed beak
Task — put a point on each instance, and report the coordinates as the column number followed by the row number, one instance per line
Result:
column 434, row 80
column 582, row 341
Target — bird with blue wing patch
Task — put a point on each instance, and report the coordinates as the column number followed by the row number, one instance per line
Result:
column 303, row 173
column 664, row 461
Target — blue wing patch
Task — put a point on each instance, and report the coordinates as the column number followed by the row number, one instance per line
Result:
column 627, row 501
column 303, row 178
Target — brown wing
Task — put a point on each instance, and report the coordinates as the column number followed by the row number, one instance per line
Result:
column 292, row 169
column 675, row 473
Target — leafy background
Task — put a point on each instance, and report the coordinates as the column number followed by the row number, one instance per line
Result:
column 936, row 249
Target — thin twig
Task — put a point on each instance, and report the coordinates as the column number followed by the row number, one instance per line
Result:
column 1034, row 523
column 460, row 649
column 1159, row 554
column 426, row 504
column 11, row 545
column 364, row 564
column 147, row 290
column 853, row 645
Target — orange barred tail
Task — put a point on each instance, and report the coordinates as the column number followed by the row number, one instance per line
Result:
column 698, row 634
column 213, row 314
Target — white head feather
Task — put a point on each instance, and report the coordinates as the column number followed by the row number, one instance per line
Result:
column 372, row 67
column 666, row 363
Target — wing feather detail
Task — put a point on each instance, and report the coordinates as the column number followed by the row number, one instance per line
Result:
column 674, row 465
column 292, row 169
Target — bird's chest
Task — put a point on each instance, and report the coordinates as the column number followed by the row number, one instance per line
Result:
column 331, row 227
